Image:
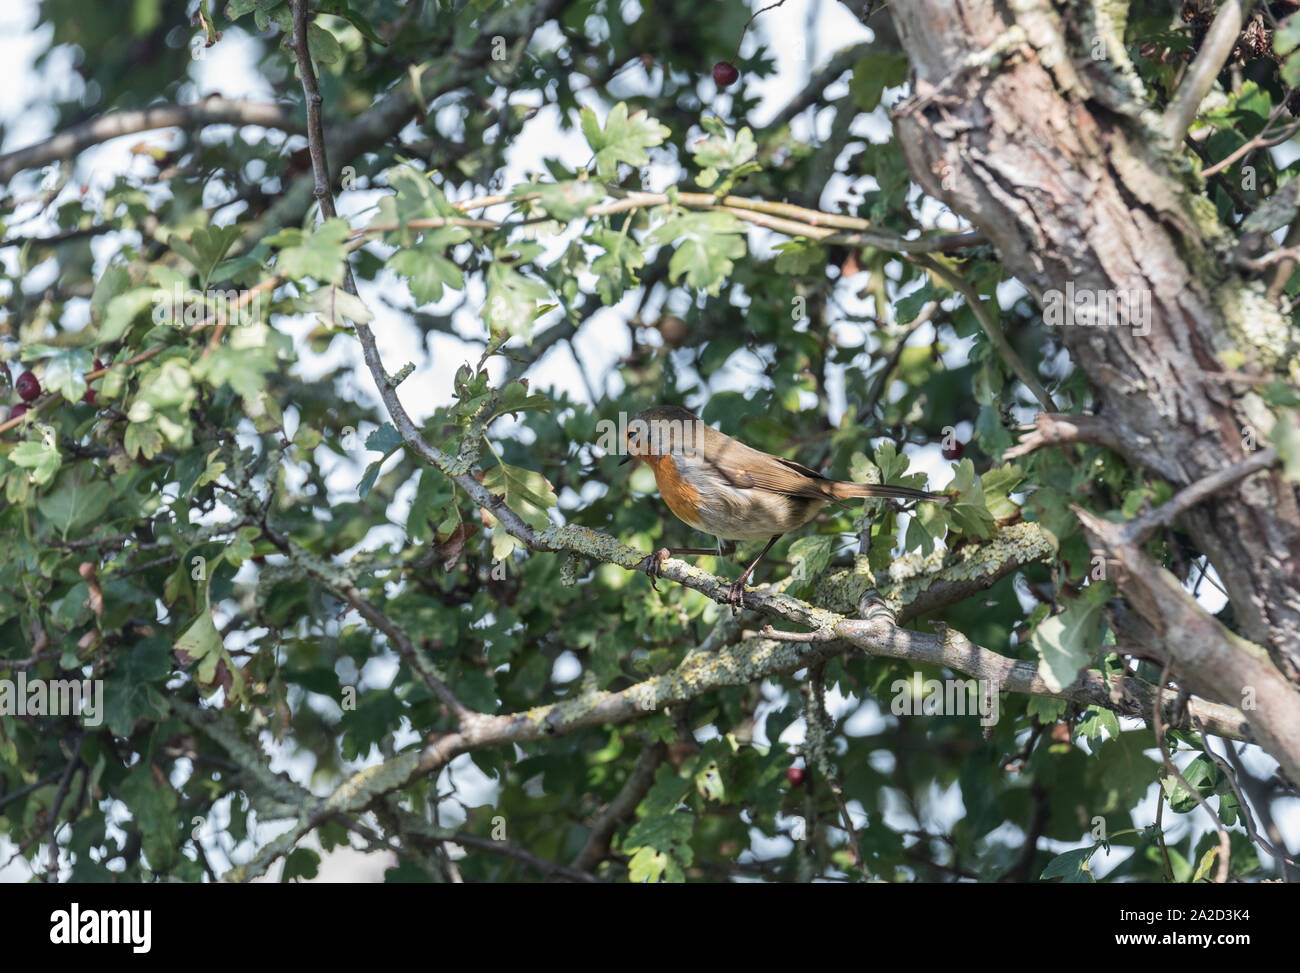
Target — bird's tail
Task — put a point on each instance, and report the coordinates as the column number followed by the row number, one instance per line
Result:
column 843, row 490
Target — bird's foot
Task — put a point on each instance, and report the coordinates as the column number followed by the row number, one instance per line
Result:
column 652, row 563
column 735, row 596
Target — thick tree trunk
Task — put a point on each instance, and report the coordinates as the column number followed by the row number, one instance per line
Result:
column 1051, row 156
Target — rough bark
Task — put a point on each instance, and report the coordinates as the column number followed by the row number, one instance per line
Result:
column 1056, row 157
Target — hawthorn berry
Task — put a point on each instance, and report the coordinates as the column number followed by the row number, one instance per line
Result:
column 89, row 397
column 28, row 386
column 954, row 451
column 725, row 74
column 18, row 411
column 795, row 775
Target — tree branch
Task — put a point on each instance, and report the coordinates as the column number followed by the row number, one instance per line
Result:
column 1229, row 666
column 1140, row 528
column 1215, row 51
column 1056, row 429
column 210, row 111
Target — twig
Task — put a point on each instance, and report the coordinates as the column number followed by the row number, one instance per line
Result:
column 1196, row 84
column 818, row 714
column 1246, row 815
column 991, row 330
column 7, row 799
column 1225, row 844
column 624, row 803
column 1058, row 429
column 210, row 111
column 543, row 865
column 1140, row 528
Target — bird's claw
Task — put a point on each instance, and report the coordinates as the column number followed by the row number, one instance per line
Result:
column 651, row 565
column 735, row 596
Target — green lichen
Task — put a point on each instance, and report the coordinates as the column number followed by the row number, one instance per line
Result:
column 1021, row 543
column 1258, row 328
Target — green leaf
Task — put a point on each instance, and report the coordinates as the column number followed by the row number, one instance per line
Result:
column 624, row 138
column 206, row 247
column 810, row 556
column 798, row 256
column 121, row 312
column 998, row 485
column 114, row 281
column 907, row 308
column 76, row 501
column 41, row 457
column 891, row 462
column 969, row 513
column 527, row 493
column 335, row 307
column 340, row 8
column 319, row 255
column 1287, row 36
column 65, row 372
column 1066, row 642
column 1072, row 866
column 569, row 199
column 385, row 439
column 616, row 267
column 142, row 440
column 170, row 385
column 725, row 154
column 323, row 45
column 927, row 525
column 512, row 300
column 153, row 806
column 872, row 75
column 707, row 244
column 1204, row 776
column 199, row 647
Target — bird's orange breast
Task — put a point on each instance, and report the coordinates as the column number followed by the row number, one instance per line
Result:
column 682, row 498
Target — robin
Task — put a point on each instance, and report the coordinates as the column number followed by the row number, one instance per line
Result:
column 719, row 485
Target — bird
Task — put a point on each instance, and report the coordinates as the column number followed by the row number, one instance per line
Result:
column 718, row 485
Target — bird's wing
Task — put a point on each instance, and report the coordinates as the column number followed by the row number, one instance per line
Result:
column 746, row 468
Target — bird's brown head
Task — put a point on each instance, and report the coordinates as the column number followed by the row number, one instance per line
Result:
column 661, row 430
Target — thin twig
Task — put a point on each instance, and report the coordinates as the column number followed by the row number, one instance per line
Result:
column 1143, row 527
column 991, row 330
column 1225, row 845
column 1196, row 84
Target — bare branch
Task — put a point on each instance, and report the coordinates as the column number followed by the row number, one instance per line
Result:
column 1228, row 666
column 634, row 789
column 1215, row 51
column 1143, row 527
column 210, row 111
column 1225, row 843
column 1056, row 429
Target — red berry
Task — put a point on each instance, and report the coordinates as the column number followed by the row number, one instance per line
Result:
column 18, row 411
column 794, row 775
column 725, row 74
column 99, row 366
column 89, row 397
column 28, row 386
column 954, row 451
